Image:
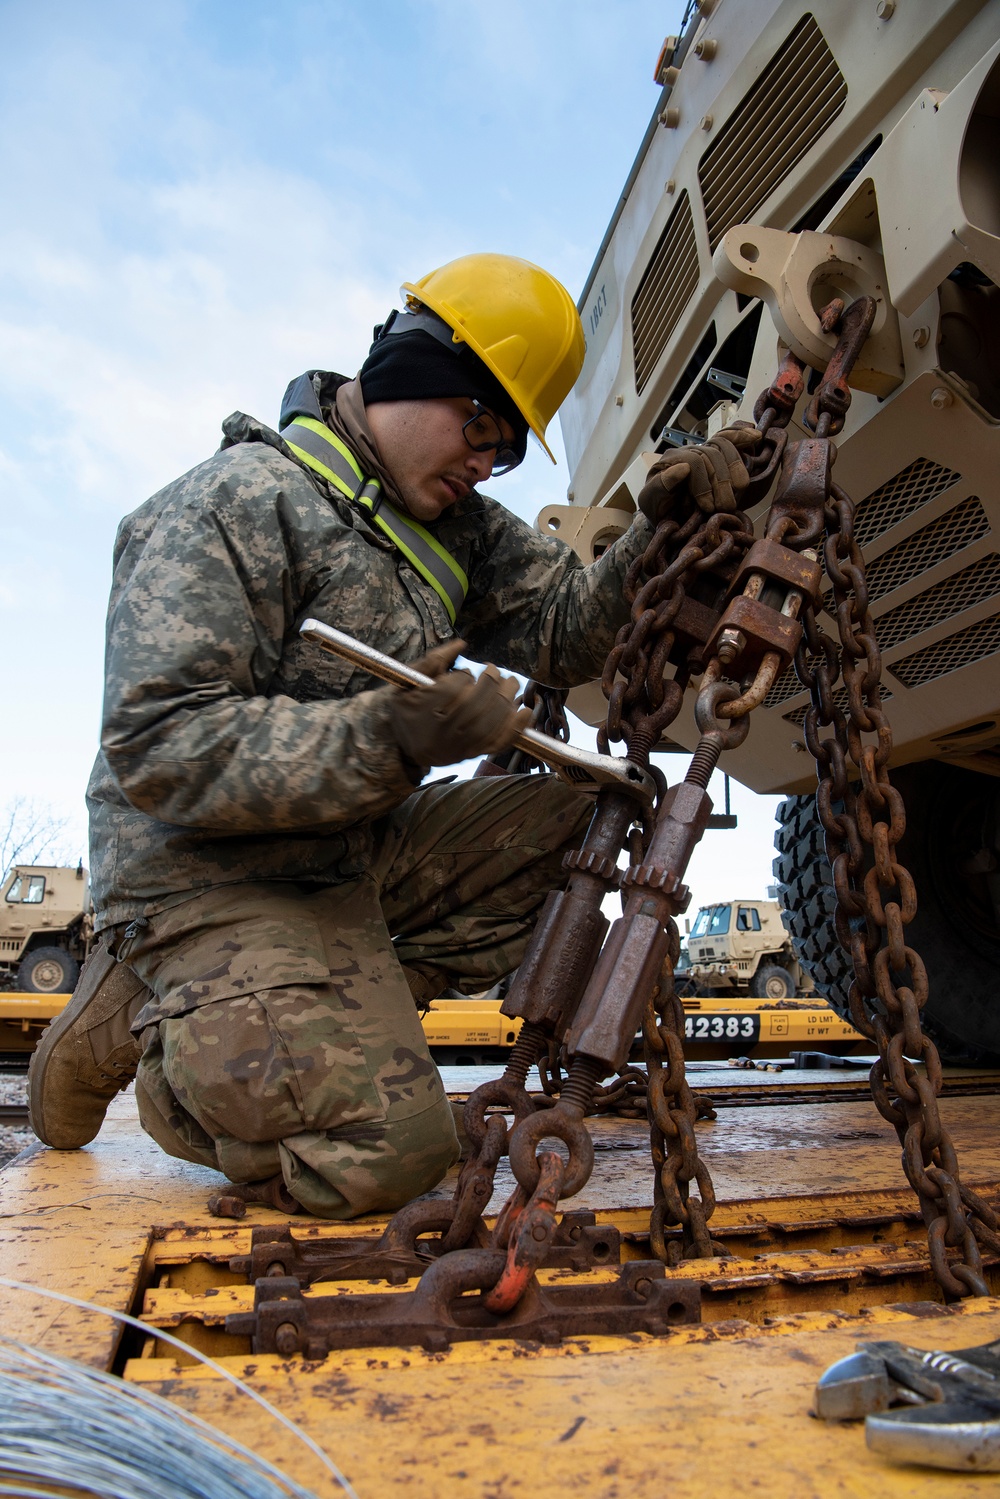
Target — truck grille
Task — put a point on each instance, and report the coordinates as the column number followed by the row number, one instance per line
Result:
column 972, row 585
column 979, row 581
column 796, row 99
column 943, row 538
column 798, row 715
column 961, row 649
column 899, row 496
column 949, row 534
column 787, row 686
column 668, row 283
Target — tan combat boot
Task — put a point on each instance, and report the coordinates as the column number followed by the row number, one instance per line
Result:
column 87, row 1055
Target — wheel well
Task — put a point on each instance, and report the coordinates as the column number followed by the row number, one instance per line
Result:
column 46, row 939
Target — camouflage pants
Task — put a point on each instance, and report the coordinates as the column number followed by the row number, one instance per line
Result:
column 284, row 1035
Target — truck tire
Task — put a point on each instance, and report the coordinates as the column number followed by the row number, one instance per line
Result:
column 47, row 970
column 953, row 817
column 808, row 900
column 772, row 982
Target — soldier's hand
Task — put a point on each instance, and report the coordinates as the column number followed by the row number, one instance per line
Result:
column 460, row 716
column 714, row 474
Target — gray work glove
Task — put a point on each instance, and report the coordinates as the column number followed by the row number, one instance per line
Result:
column 714, row 474
column 460, row 716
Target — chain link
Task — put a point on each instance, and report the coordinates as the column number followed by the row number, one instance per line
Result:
column 687, row 612
column 864, row 820
column 691, row 549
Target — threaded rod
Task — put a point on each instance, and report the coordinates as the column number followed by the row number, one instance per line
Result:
column 704, row 760
column 526, row 1051
column 584, row 1075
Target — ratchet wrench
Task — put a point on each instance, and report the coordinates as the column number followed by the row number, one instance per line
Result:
column 581, row 769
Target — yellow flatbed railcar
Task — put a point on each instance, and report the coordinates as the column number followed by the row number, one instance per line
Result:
column 828, row 1247
column 470, row 1032
column 466, row 1031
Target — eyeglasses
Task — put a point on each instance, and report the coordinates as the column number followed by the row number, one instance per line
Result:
column 482, row 433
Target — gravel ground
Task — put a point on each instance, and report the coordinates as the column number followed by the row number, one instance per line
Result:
column 13, row 1089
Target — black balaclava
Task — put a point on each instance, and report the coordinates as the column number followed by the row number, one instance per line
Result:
column 414, row 358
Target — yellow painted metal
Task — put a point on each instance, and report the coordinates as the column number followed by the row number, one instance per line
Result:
column 468, row 1022
column 23, row 1018
column 478, row 1022
column 32, row 1007
column 714, row 1410
column 784, row 1025
column 812, row 1203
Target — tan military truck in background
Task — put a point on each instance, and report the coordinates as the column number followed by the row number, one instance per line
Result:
column 742, row 947
column 800, row 151
column 45, row 927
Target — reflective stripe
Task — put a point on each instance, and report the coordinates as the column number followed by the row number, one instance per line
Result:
column 323, row 451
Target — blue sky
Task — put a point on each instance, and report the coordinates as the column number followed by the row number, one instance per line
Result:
column 204, row 199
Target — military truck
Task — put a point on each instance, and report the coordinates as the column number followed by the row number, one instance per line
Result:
column 742, row 947
column 796, row 152
column 45, row 927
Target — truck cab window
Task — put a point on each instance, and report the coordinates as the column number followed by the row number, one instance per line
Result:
column 748, row 919
column 14, row 893
column 35, row 891
column 711, row 921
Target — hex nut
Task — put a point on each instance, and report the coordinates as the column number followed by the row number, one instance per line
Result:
column 286, row 1338
column 941, row 398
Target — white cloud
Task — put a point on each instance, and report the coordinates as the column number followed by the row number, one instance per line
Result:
column 250, row 279
column 196, row 223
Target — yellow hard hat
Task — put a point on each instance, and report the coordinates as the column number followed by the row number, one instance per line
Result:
column 520, row 321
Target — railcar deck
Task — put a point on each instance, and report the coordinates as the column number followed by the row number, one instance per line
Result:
column 828, row 1250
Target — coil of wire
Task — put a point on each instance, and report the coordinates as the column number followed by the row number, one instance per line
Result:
column 84, row 1431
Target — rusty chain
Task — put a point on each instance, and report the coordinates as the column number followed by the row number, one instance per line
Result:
column 686, row 549
column 863, row 821
column 674, row 591
column 710, row 602
column 548, row 716
column 809, row 509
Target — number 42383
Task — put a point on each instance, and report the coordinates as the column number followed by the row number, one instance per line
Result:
column 721, row 1027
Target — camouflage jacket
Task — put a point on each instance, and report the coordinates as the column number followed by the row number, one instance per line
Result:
column 233, row 750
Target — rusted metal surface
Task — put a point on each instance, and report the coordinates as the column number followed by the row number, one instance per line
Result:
column 489, row 1418
column 406, row 1249
column 528, row 1228
column 582, row 991
column 637, row 1297
column 863, row 823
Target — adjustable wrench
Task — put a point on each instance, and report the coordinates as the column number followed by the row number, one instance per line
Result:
column 949, row 1403
column 582, row 769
